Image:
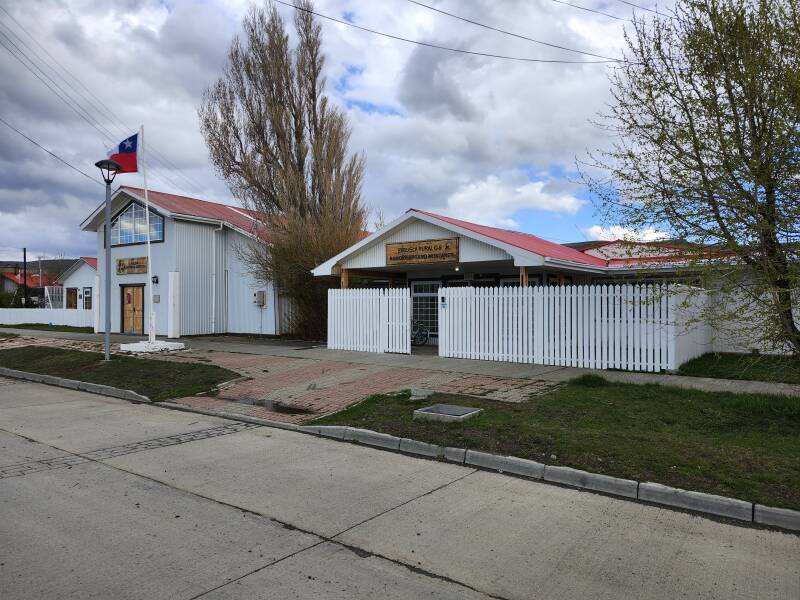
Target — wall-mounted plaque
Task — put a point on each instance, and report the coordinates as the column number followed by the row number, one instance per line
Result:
column 132, row 266
column 422, row 252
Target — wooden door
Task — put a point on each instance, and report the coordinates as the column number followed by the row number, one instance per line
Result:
column 133, row 309
column 72, row 297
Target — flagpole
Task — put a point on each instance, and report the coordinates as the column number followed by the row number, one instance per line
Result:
column 151, row 329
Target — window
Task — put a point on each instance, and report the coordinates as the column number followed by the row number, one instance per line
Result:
column 130, row 226
column 87, row 298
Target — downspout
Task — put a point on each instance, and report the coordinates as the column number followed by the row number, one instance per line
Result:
column 214, row 278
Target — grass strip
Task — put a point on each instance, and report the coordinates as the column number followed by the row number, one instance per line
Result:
column 156, row 379
column 741, row 445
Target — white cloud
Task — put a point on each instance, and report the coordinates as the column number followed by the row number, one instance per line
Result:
column 448, row 132
column 494, row 201
column 617, row 232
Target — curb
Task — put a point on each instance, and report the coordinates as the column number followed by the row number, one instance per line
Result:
column 652, row 493
column 72, row 384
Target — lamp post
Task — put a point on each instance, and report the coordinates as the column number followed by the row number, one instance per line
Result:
column 108, row 169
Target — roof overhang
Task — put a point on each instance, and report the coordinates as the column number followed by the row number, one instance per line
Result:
column 521, row 258
column 72, row 268
column 118, row 198
column 121, row 196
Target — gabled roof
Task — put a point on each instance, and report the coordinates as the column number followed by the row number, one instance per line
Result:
column 524, row 241
column 187, row 208
column 523, row 248
column 88, row 260
column 587, row 245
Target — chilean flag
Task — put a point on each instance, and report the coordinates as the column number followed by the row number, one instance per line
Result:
column 125, row 154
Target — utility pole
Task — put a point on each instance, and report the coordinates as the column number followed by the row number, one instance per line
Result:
column 24, row 277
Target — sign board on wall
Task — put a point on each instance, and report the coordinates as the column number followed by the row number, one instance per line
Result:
column 132, row 266
column 422, row 252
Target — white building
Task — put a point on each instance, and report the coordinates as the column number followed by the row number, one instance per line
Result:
column 199, row 283
column 79, row 284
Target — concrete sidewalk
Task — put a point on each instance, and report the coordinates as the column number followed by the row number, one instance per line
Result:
column 164, row 509
column 300, row 349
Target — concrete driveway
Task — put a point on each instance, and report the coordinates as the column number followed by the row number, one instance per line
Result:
column 104, row 499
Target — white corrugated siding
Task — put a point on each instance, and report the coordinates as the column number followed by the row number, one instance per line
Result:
column 193, row 253
column 244, row 315
column 470, row 250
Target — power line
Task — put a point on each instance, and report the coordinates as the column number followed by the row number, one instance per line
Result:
column 35, row 74
column 99, row 105
column 70, row 102
column 591, row 10
column 56, row 156
column 438, row 47
column 516, row 35
column 640, row 7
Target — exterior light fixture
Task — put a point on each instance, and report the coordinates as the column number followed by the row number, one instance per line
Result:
column 154, row 279
column 108, row 169
column 457, row 269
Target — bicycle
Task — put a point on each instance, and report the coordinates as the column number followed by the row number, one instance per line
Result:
column 419, row 333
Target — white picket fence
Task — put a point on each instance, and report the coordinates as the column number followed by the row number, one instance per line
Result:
column 629, row 327
column 75, row 317
column 370, row 320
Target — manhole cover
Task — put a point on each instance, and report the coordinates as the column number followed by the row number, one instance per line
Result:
column 446, row 412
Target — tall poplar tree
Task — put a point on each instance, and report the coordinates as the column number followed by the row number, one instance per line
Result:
column 282, row 148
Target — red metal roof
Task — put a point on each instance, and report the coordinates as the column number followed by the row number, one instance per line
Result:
column 91, row 261
column 33, row 278
column 194, row 207
column 525, row 241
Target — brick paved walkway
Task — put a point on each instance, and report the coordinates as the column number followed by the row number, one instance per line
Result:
column 295, row 390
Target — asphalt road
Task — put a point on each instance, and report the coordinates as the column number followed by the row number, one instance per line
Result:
column 100, row 498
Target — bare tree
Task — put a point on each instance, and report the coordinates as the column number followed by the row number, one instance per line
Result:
column 282, row 148
column 706, row 117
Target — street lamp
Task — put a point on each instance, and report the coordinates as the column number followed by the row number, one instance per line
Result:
column 108, row 169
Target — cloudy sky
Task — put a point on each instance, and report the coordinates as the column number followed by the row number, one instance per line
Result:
column 484, row 139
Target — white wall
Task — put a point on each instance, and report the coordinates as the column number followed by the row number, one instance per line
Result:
column 187, row 249
column 244, row 315
column 691, row 335
column 47, row 316
column 163, row 257
column 194, row 246
column 470, row 250
column 82, row 277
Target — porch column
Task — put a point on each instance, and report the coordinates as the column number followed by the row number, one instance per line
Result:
column 523, row 276
column 344, row 279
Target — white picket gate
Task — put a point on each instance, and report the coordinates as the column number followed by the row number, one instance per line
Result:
column 628, row 327
column 370, row 320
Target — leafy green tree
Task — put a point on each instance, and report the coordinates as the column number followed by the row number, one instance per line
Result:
column 706, row 119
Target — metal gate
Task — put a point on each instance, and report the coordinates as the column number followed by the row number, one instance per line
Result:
column 370, row 320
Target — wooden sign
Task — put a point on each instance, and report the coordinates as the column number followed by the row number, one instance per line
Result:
column 132, row 266
column 422, row 252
